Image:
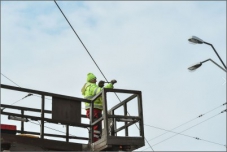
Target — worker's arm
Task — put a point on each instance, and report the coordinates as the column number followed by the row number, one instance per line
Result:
column 99, row 89
column 109, row 85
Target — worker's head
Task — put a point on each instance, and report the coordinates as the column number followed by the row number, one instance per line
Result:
column 91, row 78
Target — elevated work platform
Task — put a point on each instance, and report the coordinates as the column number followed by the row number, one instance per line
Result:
column 66, row 110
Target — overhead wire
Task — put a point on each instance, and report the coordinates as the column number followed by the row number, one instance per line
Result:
column 89, row 54
column 10, row 80
column 186, row 135
column 187, row 121
column 188, row 129
column 50, row 128
column 20, row 86
column 18, row 100
column 80, row 40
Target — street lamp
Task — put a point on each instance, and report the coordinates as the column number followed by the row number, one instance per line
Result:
column 197, row 40
column 196, row 66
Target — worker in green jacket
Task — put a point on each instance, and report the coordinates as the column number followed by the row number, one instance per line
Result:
column 89, row 90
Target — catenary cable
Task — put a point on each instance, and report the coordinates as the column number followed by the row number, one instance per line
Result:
column 197, row 138
column 50, row 128
column 20, row 86
column 81, row 41
column 10, row 80
column 187, row 121
column 188, row 129
column 90, row 54
column 19, row 100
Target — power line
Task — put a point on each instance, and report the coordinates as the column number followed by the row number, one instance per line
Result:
column 19, row 100
column 51, row 128
column 90, row 54
column 20, row 86
column 186, row 135
column 187, row 121
column 188, row 129
column 80, row 40
column 10, row 80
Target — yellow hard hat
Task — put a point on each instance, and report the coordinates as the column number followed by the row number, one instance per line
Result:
column 90, row 76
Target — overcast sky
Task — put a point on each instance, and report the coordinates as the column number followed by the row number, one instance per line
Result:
column 143, row 45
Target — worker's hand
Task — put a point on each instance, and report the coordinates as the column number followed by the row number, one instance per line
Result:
column 101, row 83
column 113, row 81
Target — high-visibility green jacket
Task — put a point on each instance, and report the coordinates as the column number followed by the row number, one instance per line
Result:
column 89, row 90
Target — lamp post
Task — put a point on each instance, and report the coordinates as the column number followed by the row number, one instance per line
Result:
column 196, row 66
column 197, row 40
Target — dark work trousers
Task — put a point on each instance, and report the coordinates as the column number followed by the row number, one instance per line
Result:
column 97, row 128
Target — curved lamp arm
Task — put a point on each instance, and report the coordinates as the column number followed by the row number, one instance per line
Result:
column 196, row 66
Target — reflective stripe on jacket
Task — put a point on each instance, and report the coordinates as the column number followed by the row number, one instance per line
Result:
column 89, row 90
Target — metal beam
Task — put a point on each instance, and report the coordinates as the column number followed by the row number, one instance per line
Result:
column 122, row 91
column 125, row 114
column 123, row 127
column 105, row 113
column 22, row 122
column 140, row 112
column 52, row 135
column 30, row 109
column 124, row 102
column 42, row 117
column 122, row 116
column 47, row 120
column 44, row 93
column 94, row 123
column 24, row 108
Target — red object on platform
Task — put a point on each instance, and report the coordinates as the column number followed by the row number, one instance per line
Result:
column 8, row 127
